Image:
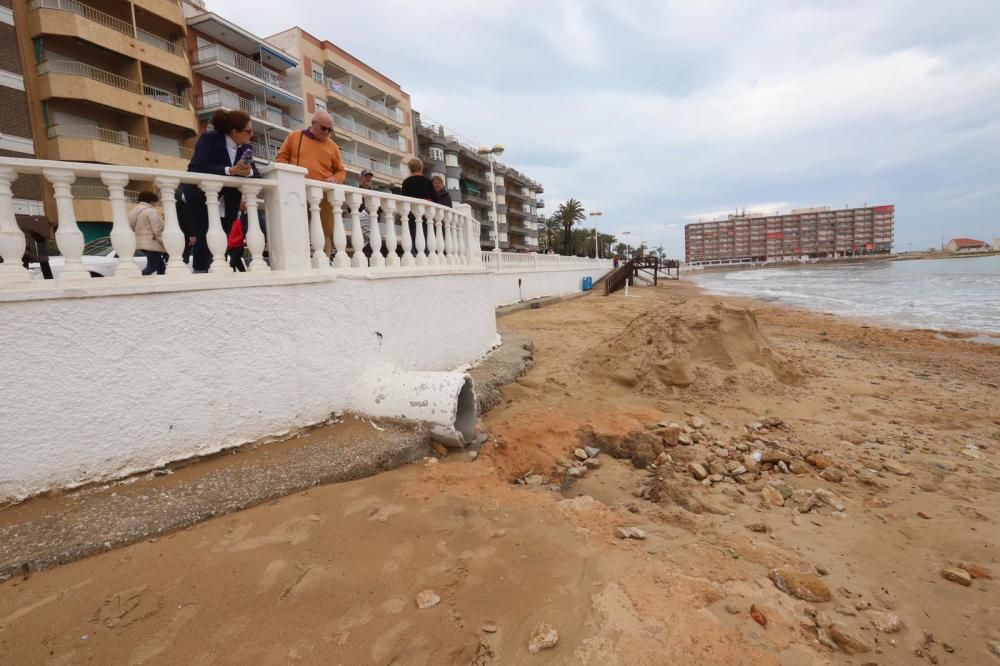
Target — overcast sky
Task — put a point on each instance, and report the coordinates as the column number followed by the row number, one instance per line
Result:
column 658, row 113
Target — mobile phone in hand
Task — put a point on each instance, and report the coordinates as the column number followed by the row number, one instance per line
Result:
column 247, row 155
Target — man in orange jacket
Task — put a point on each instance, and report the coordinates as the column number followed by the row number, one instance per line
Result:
column 315, row 149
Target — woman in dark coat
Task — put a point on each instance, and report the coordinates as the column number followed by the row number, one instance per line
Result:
column 224, row 151
column 440, row 194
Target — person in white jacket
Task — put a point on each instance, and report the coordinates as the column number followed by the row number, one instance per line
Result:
column 147, row 224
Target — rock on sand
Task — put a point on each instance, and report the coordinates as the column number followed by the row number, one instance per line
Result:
column 807, row 587
column 543, row 637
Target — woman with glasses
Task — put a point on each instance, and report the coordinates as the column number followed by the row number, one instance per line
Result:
column 224, row 150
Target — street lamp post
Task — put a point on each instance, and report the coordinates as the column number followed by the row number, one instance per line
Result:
column 491, row 152
column 628, row 248
column 597, row 249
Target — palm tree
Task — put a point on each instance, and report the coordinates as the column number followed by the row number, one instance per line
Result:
column 568, row 214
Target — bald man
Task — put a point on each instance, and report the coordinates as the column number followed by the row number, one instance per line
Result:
column 315, row 149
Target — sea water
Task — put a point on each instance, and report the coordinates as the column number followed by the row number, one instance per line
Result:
column 943, row 294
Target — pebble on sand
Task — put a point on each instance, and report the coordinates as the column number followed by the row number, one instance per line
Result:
column 956, row 575
column 807, row 587
column 427, row 598
column 887, row 623
column 847, row 640
column 543, row 637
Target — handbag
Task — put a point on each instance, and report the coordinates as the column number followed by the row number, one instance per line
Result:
column 236, row 238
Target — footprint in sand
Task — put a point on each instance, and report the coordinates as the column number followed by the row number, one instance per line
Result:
column 123, row 608
column 365, row 504
column 270, row 575
column 156, row 644
column 291, row 532
column 393, row 606
column 339, row 630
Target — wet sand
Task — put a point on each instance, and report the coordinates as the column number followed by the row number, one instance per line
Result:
column 512, row 538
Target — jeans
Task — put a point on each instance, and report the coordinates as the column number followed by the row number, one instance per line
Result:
column 154, row 263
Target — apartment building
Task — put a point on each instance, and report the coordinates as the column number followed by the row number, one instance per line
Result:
column 234, row 69
column 106, row 81
column 371, row 113
column 801, row 235
column 15, row 123
column 468, row 179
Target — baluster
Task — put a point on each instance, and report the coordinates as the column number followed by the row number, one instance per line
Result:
column 405, row 208
column 216, row 235
column 336, row 199
column 68, row 236
column 357, row 237
column 473, row 251
column 432, row 213
column 255, row 235
column 374, row 232
column 439, row 236
column 122, row 234
column 460, row 245
column 449, row 238
column 389, row 205
column 316, row 236
column 12, row 242
column 174, row 239
column 419, row 212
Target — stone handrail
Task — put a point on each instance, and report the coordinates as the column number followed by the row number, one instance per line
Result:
column 442, row 239
column 505, row 262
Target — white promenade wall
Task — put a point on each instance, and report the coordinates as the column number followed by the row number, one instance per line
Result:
column 99, row 388
column 509, row 288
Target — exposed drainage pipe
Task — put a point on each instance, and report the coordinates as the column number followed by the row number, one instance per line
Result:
column 444, row 399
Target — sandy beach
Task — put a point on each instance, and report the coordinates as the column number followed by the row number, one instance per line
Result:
column 806, row 490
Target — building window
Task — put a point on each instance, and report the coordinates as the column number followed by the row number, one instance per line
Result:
column 453, row 184
column 451, row 159
column 437, row 154
column 320, row 106
column 499, row 181
column 317, row 74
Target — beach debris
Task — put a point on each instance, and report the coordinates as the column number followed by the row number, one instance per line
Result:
column 847, row 640
column 896, row 468
column 489, row 628
column 543, row 637
column 887, row 623
column 976, row 571
column 580, row 454
column 807, row 587
column 427, row 599
column 592, row 451
column 956, row 575
column 994, row 647
column 624, row 532
column 758, row 616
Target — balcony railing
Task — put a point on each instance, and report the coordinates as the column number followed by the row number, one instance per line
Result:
column 100, row 192
column 394, row 142
column 378, row 107
column 361, row 162
column 220, row 54
column 265, row 152
column 105, row 19
column 75, row 68
column 96, row 133
column 224, row 98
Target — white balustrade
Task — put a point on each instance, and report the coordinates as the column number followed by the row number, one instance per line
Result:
column 405, row 209
column 336, row 200
column 68, row 236
column 446, row 239
column 174, row 239
column 418, row 211
column 372, row 205
column 12, row 242
column 392, row 260
column 317, row 238
column 255, row 235
column 122, row 234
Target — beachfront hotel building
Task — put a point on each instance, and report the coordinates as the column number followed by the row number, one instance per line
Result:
column 467, row 177
column 804, row 234
column 371, row 113
column 104, row 81
column 235, row 69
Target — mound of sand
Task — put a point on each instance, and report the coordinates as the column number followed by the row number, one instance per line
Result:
column 676, row 346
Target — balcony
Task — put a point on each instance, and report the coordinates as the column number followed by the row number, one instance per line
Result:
column 92, row 143
column 397, row 143
column 539, row 203
column 262, row 113
column 59, row 17
column 381, row 109
column 73, row 80
column 359, row 162
column 218, row 62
